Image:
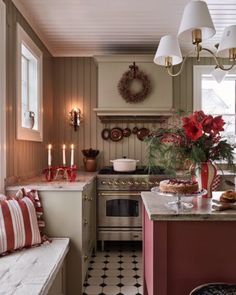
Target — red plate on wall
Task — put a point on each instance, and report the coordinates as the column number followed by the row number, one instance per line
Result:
column 116, row 134
column 142, row 133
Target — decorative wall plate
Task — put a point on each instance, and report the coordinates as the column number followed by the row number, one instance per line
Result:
column 142, row 133
column 106, row 134
column 126, row 132
column 116, row 134
column 135, row 130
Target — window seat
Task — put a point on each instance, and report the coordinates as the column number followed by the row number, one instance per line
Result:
column 36, row 270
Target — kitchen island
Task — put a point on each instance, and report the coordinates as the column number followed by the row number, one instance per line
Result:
column 185, row 249
column 69, row 211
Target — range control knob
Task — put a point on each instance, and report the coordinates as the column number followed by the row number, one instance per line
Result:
column 136, row 183
column 110, row 182
column 116, row 182
column 157, row 182
column 144, row 183
column 103, row 182
column 150, row 182
column 123, row 182
column 130, row 183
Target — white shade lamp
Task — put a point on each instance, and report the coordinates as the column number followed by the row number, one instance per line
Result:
column 196, row 24
column 227, row 46
column 218, row 74
column 168, row 52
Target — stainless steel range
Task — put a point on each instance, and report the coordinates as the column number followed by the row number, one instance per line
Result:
column 119, row 202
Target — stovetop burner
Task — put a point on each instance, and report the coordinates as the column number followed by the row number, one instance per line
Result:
column 141, row 170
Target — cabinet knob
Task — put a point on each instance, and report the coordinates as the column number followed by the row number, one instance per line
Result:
column 85, row 257
column 85, row 197
column 85, row 221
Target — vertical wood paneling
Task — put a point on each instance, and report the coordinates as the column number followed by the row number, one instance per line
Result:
column 79, row 87
column 25, row 158
column 75, row 84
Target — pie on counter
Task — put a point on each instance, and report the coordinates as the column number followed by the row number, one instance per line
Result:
column 228, row 197
column 179, row 186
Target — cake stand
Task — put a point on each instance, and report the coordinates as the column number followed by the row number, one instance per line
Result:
column 179, row 204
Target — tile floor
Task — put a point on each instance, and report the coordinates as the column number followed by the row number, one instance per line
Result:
column 116, row 271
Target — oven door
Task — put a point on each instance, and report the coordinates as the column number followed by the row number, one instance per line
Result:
column 119, row 209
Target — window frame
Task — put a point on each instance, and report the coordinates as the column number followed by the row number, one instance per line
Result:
column 24, row 133
column 2, row 95
column 198, row 71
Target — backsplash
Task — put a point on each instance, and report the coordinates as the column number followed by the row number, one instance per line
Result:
column 75, row 85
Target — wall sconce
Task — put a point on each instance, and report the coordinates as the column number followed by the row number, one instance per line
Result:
column 75, row 118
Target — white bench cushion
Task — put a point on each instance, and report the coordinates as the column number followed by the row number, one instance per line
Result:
column 32, row 271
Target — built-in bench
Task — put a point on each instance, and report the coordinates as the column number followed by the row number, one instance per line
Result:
column 35, row 271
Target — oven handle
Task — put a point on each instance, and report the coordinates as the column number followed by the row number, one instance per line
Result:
column 119, row 194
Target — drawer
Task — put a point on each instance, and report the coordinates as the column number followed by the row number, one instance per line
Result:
column 104, row 235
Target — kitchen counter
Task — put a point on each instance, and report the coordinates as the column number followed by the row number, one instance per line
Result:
column 39, row 183
column 185, row 249
column 156, row 209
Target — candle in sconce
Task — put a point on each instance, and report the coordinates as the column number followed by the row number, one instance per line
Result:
column 64, row 155
column 49, row 155
column 72, row 155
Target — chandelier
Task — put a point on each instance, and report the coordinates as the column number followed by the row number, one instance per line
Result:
column 196, row 26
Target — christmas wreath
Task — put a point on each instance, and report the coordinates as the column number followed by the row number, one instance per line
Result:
column 124, row 85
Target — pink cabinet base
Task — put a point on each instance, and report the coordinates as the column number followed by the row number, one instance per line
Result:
column 180, row 255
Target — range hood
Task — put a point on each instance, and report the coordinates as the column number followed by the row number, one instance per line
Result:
column 157, row 107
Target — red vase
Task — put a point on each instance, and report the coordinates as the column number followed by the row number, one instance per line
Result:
column 205, row 174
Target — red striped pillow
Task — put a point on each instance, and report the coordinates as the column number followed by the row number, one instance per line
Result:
column 18, row 224
column 33, row 194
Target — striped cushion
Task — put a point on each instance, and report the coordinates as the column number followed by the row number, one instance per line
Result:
column 33, row 194
column 18, row 224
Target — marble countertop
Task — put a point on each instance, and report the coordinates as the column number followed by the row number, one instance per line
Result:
column 156, row 208
column 40, row 184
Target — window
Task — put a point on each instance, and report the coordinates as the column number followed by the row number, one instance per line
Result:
column 29, row 88
column 2, row 95
column 216, row 98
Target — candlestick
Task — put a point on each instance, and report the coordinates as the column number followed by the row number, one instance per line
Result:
column 72, row 155
column 49, row 155
column 64, row 155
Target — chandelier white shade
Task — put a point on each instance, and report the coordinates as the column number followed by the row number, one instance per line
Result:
column 228, row 41
column 196, row 16
column 218, row 75
column 168, row 48
column 196, row 25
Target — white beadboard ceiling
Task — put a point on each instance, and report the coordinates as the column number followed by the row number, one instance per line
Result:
column 93, row 27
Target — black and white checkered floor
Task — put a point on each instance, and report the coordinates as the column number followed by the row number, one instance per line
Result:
column 116, row 271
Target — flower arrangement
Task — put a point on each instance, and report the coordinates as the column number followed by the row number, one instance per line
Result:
column 198, row 140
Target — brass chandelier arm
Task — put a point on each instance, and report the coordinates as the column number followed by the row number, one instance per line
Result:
column 181, row 68
column 218, row 64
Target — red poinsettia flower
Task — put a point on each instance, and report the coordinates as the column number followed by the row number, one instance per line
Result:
column 193, row 129
column 198, row 116
column 207, row 124
column 217, row 124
